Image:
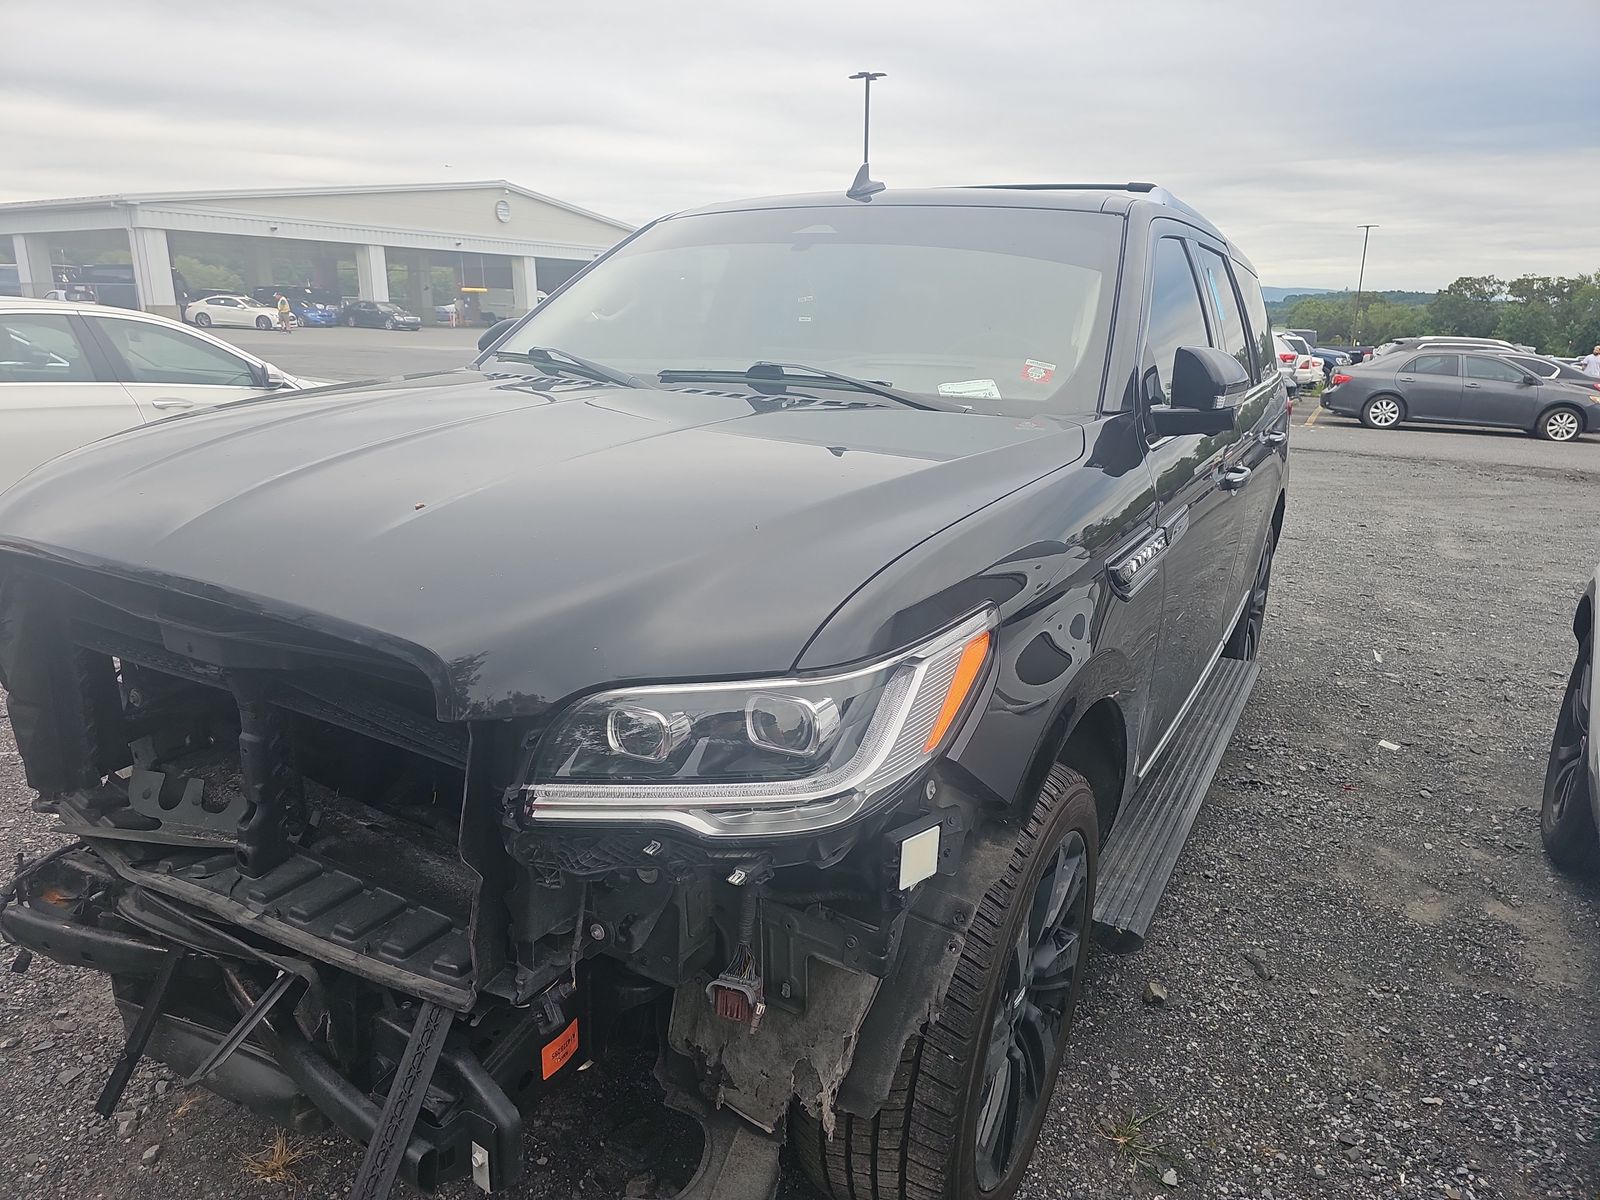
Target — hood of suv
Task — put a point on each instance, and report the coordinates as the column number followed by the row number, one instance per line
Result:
column 523, row 541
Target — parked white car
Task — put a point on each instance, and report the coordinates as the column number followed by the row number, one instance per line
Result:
column 1307, row 366
column 231, row 309
column 72, row 373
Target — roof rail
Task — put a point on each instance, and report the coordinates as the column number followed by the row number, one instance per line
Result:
column 1153, row 191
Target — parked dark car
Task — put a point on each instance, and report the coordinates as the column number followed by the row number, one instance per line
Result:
column 379, row 314
column 1570, row 813
column 1332, row 359
column 310, row 306
column 1462, row 388
column 800, row 632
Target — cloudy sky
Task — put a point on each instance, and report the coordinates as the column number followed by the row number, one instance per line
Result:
column 1469, row 130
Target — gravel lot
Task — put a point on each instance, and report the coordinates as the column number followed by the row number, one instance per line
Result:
column 1377, row 986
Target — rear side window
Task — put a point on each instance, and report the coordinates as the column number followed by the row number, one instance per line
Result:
column 156, row 354
column 1176, row 318
column 1492, row 368
column 1434, row 364
column 1256, row 324
column 1226, row 318
column 1540, row 368
column 41, row 348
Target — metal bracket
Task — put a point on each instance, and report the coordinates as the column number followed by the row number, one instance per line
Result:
column 387, row 1148
column 154, row 1001
column 791, row 937
column 242, row 1029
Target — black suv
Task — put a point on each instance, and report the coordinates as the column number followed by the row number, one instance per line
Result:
column 804, row 629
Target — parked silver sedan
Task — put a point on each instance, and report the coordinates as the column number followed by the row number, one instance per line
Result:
column 1461, row 387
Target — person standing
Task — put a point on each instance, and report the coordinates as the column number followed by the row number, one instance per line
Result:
column 285, row 315
column 1589, row 364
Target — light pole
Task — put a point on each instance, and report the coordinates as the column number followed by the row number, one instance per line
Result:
column 864, row 185
column 1361, row 278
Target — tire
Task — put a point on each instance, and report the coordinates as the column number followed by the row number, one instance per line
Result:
column 350, row 321
column 203, row 320
column 1383, row 411
column 924, row 1144
column 1245, row 640
column 1561, row 424
column 263, row 323
column 1566, row 818
column 388, row 323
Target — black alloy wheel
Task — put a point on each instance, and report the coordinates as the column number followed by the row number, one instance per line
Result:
column 202, row 319
column 351, row 320
column 1029, row 1023
column 1566, row 818
column 388, row 323
column 973, row 1087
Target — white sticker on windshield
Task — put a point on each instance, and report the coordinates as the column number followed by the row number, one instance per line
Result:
column 972, row 389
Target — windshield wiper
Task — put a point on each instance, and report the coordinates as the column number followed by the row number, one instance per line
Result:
column 553, row 360
column 777, row 372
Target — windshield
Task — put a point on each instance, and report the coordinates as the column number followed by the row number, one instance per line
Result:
column 999, row 309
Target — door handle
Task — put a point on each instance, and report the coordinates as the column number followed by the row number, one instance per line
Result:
column 1407, row 379
column 1274, row 437
column 1473, row 385
column 172, row 404
column 1234, row 478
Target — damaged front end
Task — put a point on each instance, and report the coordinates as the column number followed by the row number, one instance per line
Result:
column 320, row 900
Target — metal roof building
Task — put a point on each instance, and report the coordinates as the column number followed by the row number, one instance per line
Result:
column 502, row 243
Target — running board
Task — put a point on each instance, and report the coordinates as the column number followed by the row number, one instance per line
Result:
column 1148, row 837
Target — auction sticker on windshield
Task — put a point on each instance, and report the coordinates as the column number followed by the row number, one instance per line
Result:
column 971, row 389
column 1035, row 371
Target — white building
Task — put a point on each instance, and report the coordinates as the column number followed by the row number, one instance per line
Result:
column 491, row 244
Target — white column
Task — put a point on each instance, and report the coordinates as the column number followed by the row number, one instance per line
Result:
column 372, row 273
column 32, row 252
column 524, row 284
column 152, row 270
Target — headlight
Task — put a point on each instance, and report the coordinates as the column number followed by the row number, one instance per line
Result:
column 774, row 756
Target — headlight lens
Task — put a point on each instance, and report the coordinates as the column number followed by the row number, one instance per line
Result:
column 773, row 756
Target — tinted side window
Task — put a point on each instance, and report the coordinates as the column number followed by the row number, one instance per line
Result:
column 1176, row 318
column 156, row 354
column 1492, row 368
column 1539, row 367
column 41, row 348
column 1226, row 318
column 1256, row 323
column 1434, row 364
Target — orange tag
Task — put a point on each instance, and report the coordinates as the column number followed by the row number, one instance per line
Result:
column 558, row 1053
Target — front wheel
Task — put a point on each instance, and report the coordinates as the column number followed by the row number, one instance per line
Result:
column 1561, row 425
column 350, row 321
column 1382, row 412
column 263, row 322
column 1566, row 818
column 202, row 319
column 974, row 1086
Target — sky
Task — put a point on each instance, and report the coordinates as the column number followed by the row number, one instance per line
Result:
column 1468, row 131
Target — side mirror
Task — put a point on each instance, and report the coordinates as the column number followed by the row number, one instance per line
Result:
column 1206, row 384
column 493, row 334
column 274, row 377
column 1528, row 381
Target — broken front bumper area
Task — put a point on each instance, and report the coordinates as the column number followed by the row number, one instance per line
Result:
column 467, row 1121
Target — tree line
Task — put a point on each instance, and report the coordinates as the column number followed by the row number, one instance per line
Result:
column 1556, row 315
